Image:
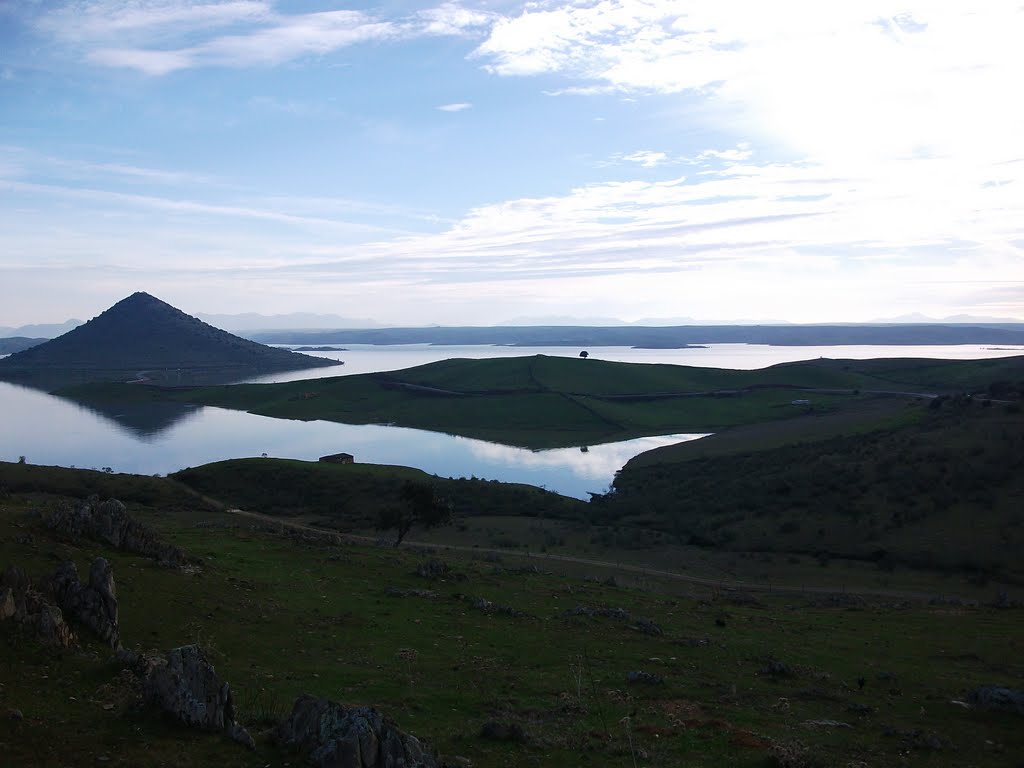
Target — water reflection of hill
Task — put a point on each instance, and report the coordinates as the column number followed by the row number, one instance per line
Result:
column 145, row 421
column 54, row 379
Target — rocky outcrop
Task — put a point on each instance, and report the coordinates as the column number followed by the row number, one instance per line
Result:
column 183, row 683
column 433, row 569
column 109, row 522
column 7, row 606
column 33, row 613
column 998, row 698
column 93, row 605
column 335, row 736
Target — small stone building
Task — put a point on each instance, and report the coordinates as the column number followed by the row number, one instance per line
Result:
column 338, row 458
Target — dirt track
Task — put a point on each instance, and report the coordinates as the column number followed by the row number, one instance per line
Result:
column 715, row 584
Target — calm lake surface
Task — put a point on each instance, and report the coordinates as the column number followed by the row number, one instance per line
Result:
column 49, row 430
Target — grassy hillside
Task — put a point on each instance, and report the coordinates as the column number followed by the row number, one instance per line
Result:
column 942, row 491
column 542, row 401
column 351, row 496
column 744, row 682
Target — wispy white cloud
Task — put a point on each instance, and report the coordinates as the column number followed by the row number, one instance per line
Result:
column 99, row 19
column 646, row 158
column 286, row 39
column 183, row 206
column 450, row 19
column 159, row 37
column 457, row 107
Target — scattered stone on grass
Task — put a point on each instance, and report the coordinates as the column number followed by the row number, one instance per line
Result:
column 789, row 754
column 743, row 598
column 1002, row 600
column 648, row 627
column 857, row 708
column 838, row 600
column 646, row 678
column 94, row 604
column 997, row 698
column 917, row 739
column 825, row 724
column 433, row 569
column 502, row 731
column 953, row 602
column 335, row 736
column 693, row 642
column 394, row 591
column 606, row 612
column 814, row 693
column 485, row 605
column 776, row 668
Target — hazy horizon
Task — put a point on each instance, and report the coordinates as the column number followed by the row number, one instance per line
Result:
column 296, row 321
column 488, row 161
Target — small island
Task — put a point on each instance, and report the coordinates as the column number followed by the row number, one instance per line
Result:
column 320, row 349
column 670, row 345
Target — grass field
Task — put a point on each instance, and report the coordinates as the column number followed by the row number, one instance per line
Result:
column 743, row 678
column 546, row 402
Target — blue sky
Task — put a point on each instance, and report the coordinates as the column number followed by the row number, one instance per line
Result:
column 478, row 162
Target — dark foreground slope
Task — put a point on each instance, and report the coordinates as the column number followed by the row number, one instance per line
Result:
column 144, row 338
column 492, row 663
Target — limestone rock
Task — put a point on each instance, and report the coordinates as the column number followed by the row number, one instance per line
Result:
column 186, row 685
column 110, row 522
column 997, row 698
column 336, row 736
column 46, row 623
column 433, row 569
column 32, row 611
column 7, row 606
column 93, row 605
column 647, row 678
column 18, row 582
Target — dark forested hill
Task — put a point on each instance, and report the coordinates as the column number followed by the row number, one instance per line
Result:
column 142, row 337
column 14, row 344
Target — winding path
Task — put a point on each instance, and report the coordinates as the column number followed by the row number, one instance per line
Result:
column 720, row 584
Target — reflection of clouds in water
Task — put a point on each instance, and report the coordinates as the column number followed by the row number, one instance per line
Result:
column 49, row 430
column 598, row 462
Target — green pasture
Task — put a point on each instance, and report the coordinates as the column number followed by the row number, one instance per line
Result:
column 744, row 679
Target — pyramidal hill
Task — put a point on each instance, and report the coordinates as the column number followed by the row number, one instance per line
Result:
column 144, row 338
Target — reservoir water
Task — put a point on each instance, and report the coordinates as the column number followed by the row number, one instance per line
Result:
column 50, row 430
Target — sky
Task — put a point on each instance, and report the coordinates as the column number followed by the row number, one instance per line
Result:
column 478, row 162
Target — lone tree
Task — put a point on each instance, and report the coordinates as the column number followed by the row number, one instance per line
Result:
column 584, row 354
column 420, row 505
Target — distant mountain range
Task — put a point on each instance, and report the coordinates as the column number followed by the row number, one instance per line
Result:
column 253, row 323
column 144, row 339
column 668, row 337
column 39, row 331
